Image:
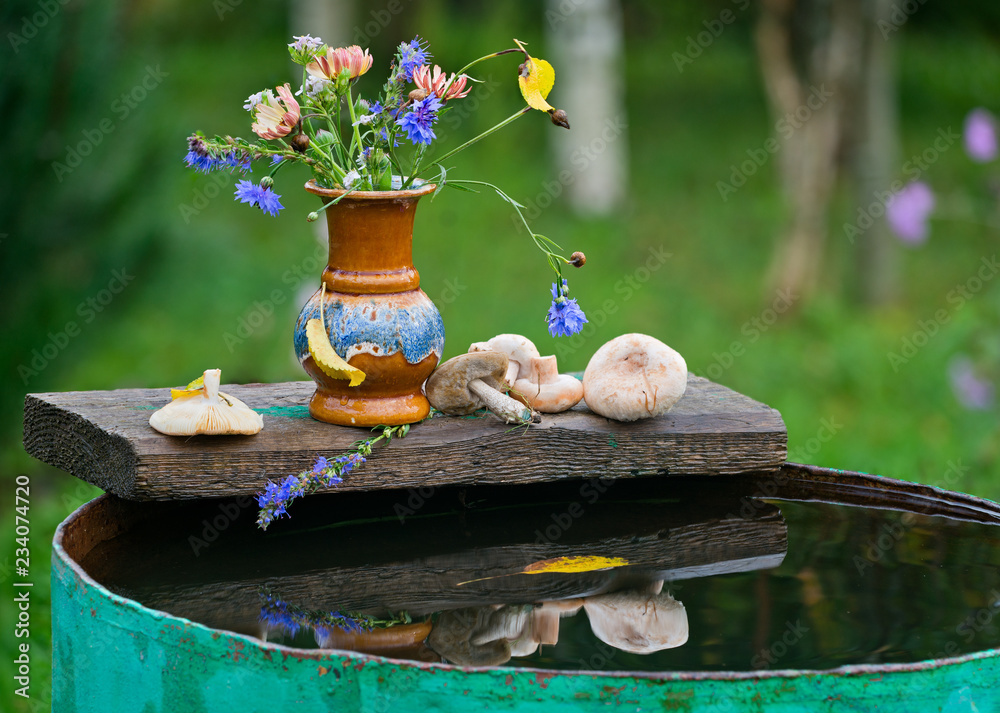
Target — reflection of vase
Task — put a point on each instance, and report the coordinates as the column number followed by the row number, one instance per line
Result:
column 378, row 318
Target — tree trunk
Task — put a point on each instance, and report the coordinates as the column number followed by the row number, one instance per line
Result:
column 586, row 42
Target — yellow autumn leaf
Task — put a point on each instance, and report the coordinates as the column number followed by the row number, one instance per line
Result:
column 536, row 79
column 564, row 565
column 574, row 564
column 326, row 356
column 195, row 387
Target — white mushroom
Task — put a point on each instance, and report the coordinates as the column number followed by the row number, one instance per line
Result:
column 519, row 350
column 206, row 410
column 470, row 381
column 545, row 389
column 634, row 376
column 638, row 623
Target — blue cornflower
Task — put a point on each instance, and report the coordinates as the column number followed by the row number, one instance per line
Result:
column 412, row 54
column 199, row 162
column 565, row 318
column 254, row 194
column 418, row 123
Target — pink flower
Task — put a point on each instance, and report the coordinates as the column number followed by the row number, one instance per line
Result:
column 980, row 136
column 273, row 120
column 435, row 83
column 908, row 211
column 330, row 65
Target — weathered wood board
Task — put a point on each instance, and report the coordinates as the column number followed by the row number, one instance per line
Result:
column 104, row 438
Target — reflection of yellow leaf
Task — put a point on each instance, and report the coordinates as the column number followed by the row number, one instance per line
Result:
column 536, row 79
column 564, row 565
column 574, row 564
column 326, row 357
column 195, row 387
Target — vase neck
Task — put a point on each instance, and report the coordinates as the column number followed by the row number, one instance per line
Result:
column 371, row 245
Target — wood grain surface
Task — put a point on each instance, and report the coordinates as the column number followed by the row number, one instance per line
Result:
column 104, row 438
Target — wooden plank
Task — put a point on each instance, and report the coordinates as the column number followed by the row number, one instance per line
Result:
column 104, row 438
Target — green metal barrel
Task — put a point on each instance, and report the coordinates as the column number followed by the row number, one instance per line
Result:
column 113, row 654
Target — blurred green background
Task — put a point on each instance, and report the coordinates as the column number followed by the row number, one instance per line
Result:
column 194, row 263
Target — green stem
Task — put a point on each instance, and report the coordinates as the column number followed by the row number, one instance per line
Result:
column 482, row 136
column 354, row 121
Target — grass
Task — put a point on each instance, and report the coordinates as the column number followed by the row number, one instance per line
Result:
column 824, row 365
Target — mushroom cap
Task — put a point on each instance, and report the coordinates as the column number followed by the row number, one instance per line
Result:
column 545, row 389
column 638, row 623
column 480, row 636
column 520, row 350
column 634, row 376
column 448, row 387
column 207, row 411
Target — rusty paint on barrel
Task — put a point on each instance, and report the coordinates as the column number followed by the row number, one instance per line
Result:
column 113, row 654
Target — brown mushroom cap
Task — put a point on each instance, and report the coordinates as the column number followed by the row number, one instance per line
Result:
column 638, row 623
column 448, row 387
column 634, row 376
column 544, row 389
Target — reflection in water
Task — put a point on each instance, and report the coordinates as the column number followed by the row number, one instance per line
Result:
column 812, row 585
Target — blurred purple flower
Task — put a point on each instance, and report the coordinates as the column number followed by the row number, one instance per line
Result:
column 980, row 136
column 972, row 391
column 908, row 211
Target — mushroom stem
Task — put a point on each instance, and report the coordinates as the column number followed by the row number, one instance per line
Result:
column 502, row 405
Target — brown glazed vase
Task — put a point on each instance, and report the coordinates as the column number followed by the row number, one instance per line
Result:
column 378, row 318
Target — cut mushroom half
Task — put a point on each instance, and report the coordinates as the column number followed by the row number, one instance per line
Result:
column 519, row 350
column 545, row 389
column 636, row 622
column 201, row 409
column 468, row 382
column 634, row 376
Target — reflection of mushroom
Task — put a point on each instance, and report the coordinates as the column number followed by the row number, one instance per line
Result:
column 634, row 376
column 206, row 410
column 545, row 389
column 479, row 636
column 637, row 623
column 519, row 350
column 470, row 381
column 489, row 636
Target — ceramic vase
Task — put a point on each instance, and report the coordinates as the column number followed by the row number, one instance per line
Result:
column 377, row 317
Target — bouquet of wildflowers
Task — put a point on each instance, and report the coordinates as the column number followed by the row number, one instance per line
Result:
column 381, row 144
